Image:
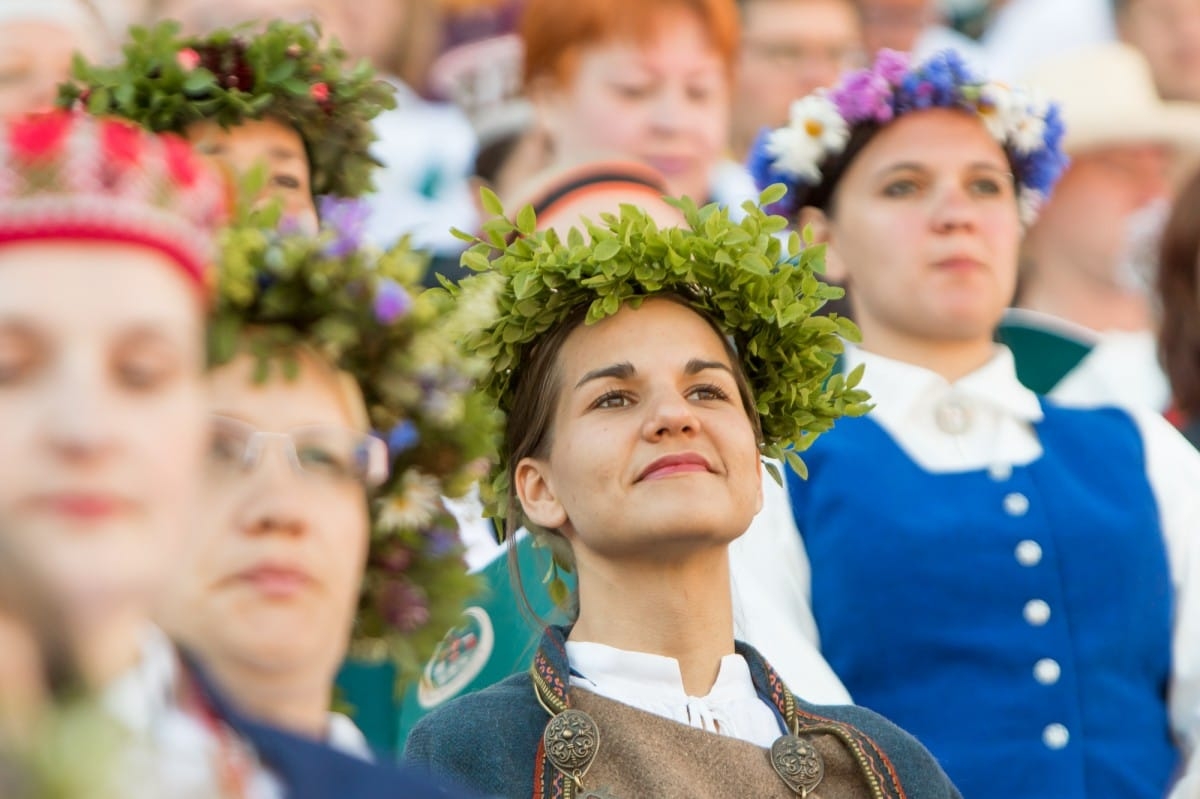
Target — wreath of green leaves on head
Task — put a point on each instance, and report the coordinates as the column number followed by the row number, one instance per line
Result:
column 364, row 312
column 763, row 291
column 284, row 71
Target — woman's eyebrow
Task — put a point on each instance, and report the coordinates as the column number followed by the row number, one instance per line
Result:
column 621, row 371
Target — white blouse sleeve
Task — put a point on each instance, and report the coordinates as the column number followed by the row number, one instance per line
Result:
column 1173, row 467
column 771, row 584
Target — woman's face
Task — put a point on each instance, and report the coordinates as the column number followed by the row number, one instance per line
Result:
column 664, row 103
column 269, row 145
column 102, row 424
column 273, row 579
column 925, row 227
column 35, row 57
column 651, row 451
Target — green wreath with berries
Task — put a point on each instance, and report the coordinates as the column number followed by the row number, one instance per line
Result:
column 284, row 71
column 364, row 311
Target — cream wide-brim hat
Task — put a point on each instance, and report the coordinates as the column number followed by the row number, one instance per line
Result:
column 1108, row 98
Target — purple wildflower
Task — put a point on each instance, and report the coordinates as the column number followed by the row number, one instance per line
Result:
column 442, row 541
column 392, row 302
column 403, row 606
column 347, row 219
column 395, row 559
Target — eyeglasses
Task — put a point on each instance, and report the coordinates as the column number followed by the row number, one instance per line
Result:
column 324, row 451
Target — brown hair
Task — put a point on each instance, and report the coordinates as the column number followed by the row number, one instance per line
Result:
column 529, row 430
column 1179, row 292
column 555, row 31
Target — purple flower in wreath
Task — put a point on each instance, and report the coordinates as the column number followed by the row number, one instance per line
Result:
column 347, row 219
column 392, row 302
column 403, row 606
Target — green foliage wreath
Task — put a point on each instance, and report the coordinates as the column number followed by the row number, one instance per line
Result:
column 167, row 82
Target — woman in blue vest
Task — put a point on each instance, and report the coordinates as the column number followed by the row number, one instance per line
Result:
column 1012, row 581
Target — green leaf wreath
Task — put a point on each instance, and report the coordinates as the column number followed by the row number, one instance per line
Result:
column 763, row 290
column 167, row 82
column 364, row 311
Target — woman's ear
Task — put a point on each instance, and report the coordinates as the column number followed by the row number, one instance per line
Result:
column 537, row 495
column 821, row 229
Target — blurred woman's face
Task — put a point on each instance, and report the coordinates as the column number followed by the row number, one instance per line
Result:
column 664, row 103
column 925, row 227
column 273, row 580
column 269, row 145
column 35, row 57
column 101, row 417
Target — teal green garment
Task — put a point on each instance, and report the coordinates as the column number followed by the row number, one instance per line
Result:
column 494, row 640
column 1043, row 356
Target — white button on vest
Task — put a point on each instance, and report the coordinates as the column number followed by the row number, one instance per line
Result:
column 1000, row 471
column 1037, row 612
column 1055, row 736
column 1029, row 553
column 1047, row 671
column 1016, row 504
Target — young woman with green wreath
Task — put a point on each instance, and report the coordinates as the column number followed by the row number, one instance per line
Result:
column 644, row 374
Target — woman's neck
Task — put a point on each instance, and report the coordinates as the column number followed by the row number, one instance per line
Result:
column 953, row 359
column 681, row 610
column 108, row 649
column 294, row 700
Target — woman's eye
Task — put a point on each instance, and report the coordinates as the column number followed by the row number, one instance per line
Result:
column 315, row 458
column 142, row 376
column 708, row 392
column 613, row 399
column 699, row 94
column 986, row 187
column 900, row 188
column 631, row 91
column 289, row 182
column 226, row 448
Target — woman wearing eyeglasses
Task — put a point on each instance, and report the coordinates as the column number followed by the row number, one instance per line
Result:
column 300, row 496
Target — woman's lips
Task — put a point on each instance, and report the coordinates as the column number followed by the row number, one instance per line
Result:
column 82, row 506
column 958, row 263
column 683, row 463
column 276, row 582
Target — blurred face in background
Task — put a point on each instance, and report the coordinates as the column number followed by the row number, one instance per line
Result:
column 663, row 101
column 1167, row 32
column 269, row 145
column 203, row 16
column 895, row 24
column 273, row 578
column 789, row 49
column 102, row 423
column 1099, row 209
column 35, row 57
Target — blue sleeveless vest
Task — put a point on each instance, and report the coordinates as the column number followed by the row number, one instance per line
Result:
column 1018, row 625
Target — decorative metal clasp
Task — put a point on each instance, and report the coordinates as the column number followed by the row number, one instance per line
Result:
column 798, row 764
column 572, row 739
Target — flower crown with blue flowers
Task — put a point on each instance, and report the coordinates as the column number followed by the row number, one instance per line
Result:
column 1027, row 126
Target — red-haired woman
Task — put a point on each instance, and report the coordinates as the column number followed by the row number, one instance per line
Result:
column 647, row 81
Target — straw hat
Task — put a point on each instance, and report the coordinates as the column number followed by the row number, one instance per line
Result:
column 1107, row 97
